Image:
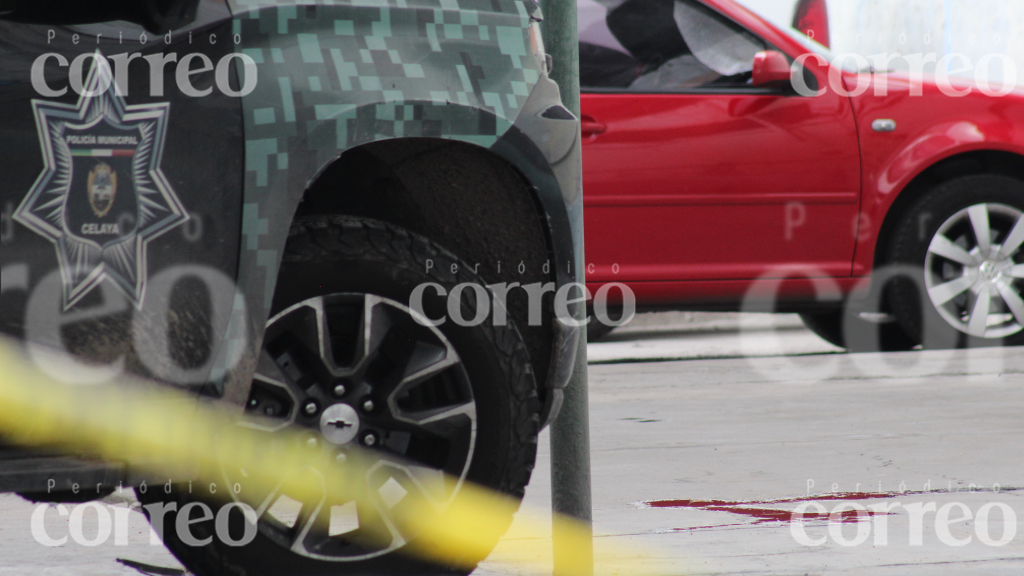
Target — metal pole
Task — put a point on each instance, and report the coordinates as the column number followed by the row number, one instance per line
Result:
column 570, row 432
column 562, row 44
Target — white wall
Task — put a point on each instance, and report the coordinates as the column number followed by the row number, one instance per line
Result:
column 778, row 12
column 975, row 28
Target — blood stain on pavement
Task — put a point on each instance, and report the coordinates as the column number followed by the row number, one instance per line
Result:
column 761, row 511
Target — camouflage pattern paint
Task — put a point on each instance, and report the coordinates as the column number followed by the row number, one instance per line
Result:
column 333, row 75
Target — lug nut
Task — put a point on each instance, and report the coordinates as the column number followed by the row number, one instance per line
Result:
column 312, row 442
column 368, row 405
column 370, row 439
column 339, row 390
column 311, row 408
column 341, row 458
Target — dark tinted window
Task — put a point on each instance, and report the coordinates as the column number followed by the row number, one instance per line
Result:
column 661, row 46
column 157, row 16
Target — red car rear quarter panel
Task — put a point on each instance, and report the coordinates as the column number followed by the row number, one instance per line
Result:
column 931, row 127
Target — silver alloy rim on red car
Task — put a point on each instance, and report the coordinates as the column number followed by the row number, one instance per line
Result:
column 974, row 270
column 359, row 369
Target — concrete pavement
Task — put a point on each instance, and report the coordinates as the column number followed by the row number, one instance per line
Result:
column 745, row 433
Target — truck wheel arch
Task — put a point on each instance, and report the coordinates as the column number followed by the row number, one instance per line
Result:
column 464, row 197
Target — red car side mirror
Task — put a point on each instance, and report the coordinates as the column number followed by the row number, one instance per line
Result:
column 771, row 67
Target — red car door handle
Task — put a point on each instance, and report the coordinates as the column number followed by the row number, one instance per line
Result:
column 591, row 127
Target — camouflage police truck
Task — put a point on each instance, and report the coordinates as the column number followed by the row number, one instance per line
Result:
column 294, row 207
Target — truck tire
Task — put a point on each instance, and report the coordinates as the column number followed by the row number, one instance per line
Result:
column 355, row 277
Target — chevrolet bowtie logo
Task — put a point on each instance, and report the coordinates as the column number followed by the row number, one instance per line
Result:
column 339, row 424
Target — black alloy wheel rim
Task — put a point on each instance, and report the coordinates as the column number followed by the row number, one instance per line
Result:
column 360, row 370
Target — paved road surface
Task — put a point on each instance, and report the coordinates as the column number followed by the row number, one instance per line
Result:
column 753, row 433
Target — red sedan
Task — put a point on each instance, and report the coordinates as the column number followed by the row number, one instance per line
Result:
column 732, row 165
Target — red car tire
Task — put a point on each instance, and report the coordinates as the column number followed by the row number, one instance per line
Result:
column 966, row 239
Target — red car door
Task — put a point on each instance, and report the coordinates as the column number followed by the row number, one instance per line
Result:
column 690, row 173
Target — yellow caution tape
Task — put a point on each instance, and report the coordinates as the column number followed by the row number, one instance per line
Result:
column 169, row 433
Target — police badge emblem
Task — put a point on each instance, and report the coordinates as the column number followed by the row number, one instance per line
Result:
column 102, row 189
column 102, row 196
